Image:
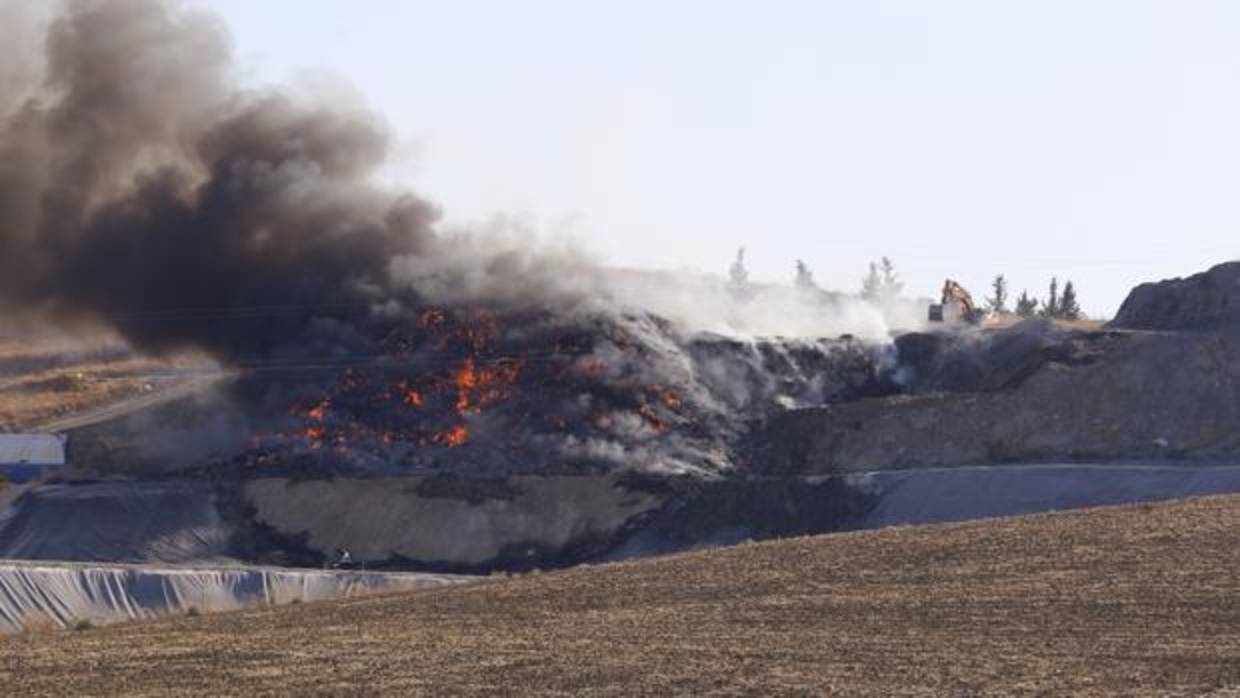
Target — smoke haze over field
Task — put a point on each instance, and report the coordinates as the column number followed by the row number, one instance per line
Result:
column 139, row 184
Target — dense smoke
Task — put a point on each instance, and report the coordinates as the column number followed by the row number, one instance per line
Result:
column 137, row 183
column 142, row 187
column 18, row 71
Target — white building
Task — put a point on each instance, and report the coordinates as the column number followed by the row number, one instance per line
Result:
column 27, row 456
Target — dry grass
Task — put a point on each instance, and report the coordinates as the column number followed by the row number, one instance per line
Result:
column 1010, row 319
column 1134, row 600
column 45, row 378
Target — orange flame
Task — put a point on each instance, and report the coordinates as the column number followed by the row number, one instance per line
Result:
column 466, row 380
column 318, row 411
column 457, row 436
column 413, row 398
column 477, row 387
column 315, row 434
column 670, row 398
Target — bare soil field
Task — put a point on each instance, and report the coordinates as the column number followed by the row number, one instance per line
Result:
column 44, row 379
column 1139, row 600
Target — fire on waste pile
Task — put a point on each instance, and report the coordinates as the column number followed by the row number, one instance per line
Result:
column 255, row 226
column 482, row 393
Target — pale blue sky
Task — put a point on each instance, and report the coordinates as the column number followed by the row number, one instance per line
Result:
column 1094, row 140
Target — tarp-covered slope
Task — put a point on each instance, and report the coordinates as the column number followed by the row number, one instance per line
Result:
column 170, row 522
column 34, row 595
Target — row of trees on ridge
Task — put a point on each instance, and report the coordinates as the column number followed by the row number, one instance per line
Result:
column 1061, row 305
column 882, row 283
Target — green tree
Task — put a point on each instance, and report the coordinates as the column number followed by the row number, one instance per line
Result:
column 891, row 286
column 872, row 284
column 804, row 277
column 1026, row 306
column 738, row 277
column 1050, row 306
column 998, row 302
column 1069, row 308
column 737, row 273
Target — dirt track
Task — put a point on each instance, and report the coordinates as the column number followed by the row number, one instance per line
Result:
column 1141, row 599
column 121, row 408
column 63, row 383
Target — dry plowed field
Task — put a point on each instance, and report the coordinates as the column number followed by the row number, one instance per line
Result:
column 1138, row 600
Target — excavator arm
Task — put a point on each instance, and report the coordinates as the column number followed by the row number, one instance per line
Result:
column 956, row 304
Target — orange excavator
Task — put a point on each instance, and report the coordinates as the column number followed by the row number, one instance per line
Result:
column 956, row 305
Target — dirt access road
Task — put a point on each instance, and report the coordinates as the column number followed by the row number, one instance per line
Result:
column 1134, row 600
column 156, row 395
column 61, row 383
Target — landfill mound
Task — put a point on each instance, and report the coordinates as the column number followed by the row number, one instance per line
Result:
column 481, row 393
column 34, row 596
column 1206, row 301
column 468, row 440
column 1033, row 393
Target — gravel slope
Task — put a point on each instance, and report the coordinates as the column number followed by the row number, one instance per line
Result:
column 1140, row 599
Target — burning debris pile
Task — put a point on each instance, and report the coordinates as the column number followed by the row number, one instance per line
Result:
column 477, row 392
column 144, row 188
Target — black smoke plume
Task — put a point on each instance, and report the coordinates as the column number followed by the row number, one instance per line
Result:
column 141, row 186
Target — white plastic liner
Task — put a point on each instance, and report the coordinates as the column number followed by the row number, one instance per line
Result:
column 35, row 595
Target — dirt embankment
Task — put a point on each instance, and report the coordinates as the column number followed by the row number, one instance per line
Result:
column 1206, row 301
column 472, row 525
column 1027, row 394
column 1045, row 605
column 420, row 520
column 436, row 523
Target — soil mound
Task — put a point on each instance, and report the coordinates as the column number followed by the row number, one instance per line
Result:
column 1206, row 301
